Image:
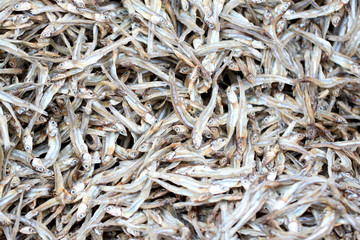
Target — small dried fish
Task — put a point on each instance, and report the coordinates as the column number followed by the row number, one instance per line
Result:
column 179, row 119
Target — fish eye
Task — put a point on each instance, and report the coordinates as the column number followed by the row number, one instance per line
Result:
column 149, row 105
column 266, row 119
column 86, row 166
column 27, row 148
column 17, row 6
column 177, row 129
column 40, row 169
column 122, row 132
column 72, row 192
column 208, row 135
column 156, row 120
column 108, row 208
column 82, row 215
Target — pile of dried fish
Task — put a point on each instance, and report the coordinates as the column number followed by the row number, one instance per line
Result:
column 182, row 119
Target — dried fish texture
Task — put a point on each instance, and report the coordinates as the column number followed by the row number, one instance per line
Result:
column 188, row 119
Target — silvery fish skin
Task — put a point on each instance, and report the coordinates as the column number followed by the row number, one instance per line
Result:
column 187, row 119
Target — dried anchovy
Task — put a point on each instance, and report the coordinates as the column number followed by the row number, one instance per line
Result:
column 179, row 119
